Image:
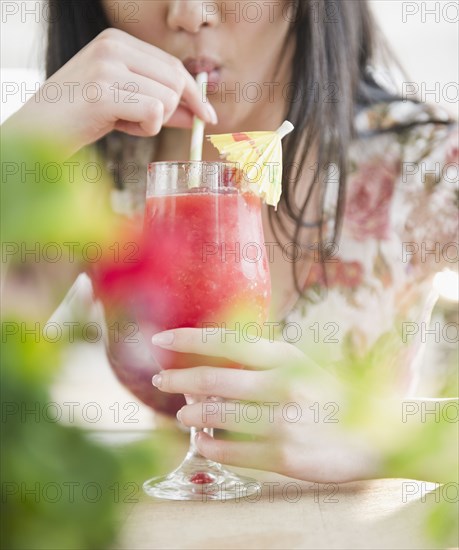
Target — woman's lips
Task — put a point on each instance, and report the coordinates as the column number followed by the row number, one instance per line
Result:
column 196, row 65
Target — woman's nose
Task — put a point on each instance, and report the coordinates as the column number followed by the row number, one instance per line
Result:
column 191, row 15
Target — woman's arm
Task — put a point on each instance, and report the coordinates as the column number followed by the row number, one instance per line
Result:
column 116, row 82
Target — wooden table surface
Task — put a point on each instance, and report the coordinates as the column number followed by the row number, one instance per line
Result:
column 369, row 514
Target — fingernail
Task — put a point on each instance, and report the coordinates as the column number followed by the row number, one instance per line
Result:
column 156, row 380
column 163, row 338
column 179, row 415
column 212, row 114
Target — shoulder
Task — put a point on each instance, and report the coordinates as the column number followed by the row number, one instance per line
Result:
column 402, row 184
column 405, row 160
column 408, row 131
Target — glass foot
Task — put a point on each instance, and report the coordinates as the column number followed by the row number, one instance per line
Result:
column 201, row 479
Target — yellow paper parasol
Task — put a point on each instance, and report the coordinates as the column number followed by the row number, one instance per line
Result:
column 259, row 157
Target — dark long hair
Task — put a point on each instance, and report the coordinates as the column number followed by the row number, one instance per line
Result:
column 335, row 47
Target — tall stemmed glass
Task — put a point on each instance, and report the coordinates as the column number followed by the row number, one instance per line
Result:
column 208, row 268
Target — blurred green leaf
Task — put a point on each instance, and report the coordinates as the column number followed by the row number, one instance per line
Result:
column 60, row 489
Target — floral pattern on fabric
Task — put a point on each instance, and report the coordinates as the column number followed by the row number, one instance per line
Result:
column 400, row 228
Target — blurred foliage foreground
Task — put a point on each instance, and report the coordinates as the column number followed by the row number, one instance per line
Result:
column 59, row 488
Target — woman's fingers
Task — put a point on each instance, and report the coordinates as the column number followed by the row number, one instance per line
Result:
column 234, row 416
column 133, row 87
column 170, row 73
column 148, row 112
column 331, row 463
column 260, row 354
column 227, row 383
column 136, row 88
column 130, row 86
column 182, row 117
column 129, row 39
column 131, row 128
column 257, row 454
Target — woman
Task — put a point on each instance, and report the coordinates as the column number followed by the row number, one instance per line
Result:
column 356, row 192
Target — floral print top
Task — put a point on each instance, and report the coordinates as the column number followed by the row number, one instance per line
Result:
column 372, row 299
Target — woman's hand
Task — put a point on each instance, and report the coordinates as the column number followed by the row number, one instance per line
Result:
column 287, row 405
column 116, row 82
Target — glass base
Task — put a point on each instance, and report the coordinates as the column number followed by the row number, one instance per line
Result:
column 201, row 479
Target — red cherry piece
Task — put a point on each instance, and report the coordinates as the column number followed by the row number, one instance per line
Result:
column 201, row 478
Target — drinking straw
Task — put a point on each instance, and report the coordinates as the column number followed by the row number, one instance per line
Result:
column 197, row 135
column 285, row 128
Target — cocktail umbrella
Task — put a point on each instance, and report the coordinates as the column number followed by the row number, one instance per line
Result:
column 259, row 157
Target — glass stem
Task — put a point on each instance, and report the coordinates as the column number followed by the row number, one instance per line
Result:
column 193, row 451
